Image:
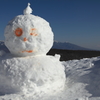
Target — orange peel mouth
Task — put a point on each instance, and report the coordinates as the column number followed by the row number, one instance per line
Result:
column 28, row 51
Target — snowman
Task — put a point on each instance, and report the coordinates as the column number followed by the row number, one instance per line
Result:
column 28, row 69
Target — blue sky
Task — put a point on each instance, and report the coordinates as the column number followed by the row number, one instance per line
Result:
column 75, row 21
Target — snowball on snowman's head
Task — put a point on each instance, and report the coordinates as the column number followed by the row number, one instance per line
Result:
column 28, row 35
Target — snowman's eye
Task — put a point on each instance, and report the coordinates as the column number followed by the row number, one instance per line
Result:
column 33, row 32
column 18, row 32
column 33, row 29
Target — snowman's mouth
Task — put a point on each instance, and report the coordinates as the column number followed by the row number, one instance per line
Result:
column 28, row 51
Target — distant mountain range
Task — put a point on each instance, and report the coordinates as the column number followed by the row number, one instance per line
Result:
column 67, row 46
column 3, row 47
column 57, row 45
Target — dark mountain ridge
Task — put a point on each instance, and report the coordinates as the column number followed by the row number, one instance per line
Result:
column 3, row 47
column 73, row 54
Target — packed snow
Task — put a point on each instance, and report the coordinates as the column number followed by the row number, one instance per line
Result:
column 39, row 74
column 82, row 82
column 28, row 35
column 28, row 10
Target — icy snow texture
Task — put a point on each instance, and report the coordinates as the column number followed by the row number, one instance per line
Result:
column 28, row 35
column 36, row 75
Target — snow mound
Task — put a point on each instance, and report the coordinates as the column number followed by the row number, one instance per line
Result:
column 87, row 73
column 36, row 75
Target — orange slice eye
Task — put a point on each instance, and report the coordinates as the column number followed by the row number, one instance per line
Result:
column 33, row 32
column 18, row 32
column 33, row 29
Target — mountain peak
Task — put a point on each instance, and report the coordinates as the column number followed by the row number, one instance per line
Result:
column 67, row 46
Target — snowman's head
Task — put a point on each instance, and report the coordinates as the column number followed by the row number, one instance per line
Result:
column 28, row 35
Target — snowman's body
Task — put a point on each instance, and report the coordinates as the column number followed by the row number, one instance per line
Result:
column 30, row 36
column 35, row 75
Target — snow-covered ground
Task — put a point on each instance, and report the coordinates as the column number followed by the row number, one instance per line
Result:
column 82, row 83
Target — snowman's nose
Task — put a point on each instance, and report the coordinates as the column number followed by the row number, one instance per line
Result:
column 25, row 39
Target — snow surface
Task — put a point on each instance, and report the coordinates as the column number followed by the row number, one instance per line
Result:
column 28, row 35
column 82, row 82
